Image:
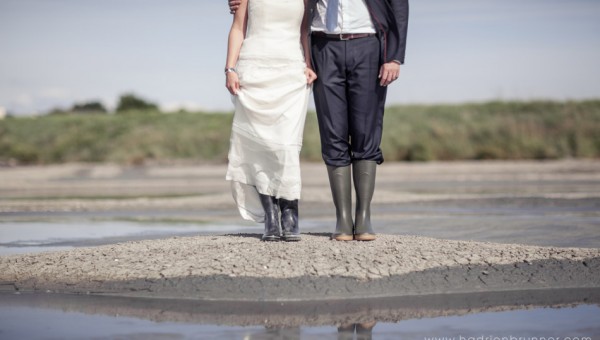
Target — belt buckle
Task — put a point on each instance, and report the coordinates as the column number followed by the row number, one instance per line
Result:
column 349, row 36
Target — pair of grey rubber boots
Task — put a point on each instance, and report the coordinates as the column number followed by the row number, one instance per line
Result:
column 340, row 178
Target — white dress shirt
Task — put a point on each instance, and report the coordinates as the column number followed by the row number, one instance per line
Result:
column 353, row 17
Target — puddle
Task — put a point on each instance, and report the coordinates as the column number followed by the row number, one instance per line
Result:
column 20, row 237
column 33, row 237
column 556, row 314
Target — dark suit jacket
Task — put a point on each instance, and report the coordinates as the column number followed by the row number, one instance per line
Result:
column 390, row 18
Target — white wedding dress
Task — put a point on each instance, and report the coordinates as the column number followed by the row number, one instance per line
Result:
column 270, row 108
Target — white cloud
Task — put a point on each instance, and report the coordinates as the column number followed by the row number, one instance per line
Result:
column 55, row 93
column 24, row 99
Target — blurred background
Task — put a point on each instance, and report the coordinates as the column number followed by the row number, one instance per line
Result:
column 506, row 79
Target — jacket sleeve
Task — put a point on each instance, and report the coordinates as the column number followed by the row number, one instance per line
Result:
column 397, row 45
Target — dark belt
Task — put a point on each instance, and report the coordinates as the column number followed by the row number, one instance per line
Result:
column 342, row 36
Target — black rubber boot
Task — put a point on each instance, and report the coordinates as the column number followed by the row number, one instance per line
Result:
column 289, row 220
column 341, row 190
column 364, row 184
column 271, row 207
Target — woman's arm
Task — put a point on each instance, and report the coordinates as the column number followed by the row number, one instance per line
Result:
column 236, row 37
column 304, row 32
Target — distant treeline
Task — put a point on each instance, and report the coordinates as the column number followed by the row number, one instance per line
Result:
column 128, row 102
column 494, row 130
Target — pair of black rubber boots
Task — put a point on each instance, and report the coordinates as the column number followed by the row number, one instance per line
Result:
column 340, row 178
column 281, row 219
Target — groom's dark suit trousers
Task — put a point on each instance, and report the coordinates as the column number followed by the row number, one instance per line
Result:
column 348, row 98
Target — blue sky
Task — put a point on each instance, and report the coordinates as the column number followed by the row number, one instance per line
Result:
column 57, row 52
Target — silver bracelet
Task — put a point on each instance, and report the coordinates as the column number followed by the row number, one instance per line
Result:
column 230, row 69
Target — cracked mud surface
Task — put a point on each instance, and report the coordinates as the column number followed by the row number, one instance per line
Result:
column 241, row 267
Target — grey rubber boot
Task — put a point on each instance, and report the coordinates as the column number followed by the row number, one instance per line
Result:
column 289, row 220
column 341, row 190
column 272, row 228
column 363, row 173
column 346, row 332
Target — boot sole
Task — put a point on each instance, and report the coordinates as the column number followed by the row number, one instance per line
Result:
column 291, row 238
column 342, row 237
column 365, row 237
column 270, row 238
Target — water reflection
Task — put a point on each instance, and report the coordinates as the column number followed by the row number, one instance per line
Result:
column 523, row 312
column 363, row 331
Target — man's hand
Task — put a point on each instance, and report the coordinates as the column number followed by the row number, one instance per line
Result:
column 388, row 73
column 234, row 5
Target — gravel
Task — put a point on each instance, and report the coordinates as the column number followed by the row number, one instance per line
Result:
column 241, row 267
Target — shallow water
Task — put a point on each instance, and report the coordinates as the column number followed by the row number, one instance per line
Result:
column 543, row 222
column 34, row 237
column 485, row 317
column 43, row 321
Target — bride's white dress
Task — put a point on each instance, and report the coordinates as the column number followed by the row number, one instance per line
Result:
column 270, row 108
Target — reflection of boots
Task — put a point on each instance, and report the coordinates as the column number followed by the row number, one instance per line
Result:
column 346, row 332
column 289, row 220
column 364, row 331
column 280, row 332
column 340, row 182
column 364, row 184
column 271, row 207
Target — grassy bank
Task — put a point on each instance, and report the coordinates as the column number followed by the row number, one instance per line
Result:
column 495, row 130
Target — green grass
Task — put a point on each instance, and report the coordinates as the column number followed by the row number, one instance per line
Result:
column 494, row 130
